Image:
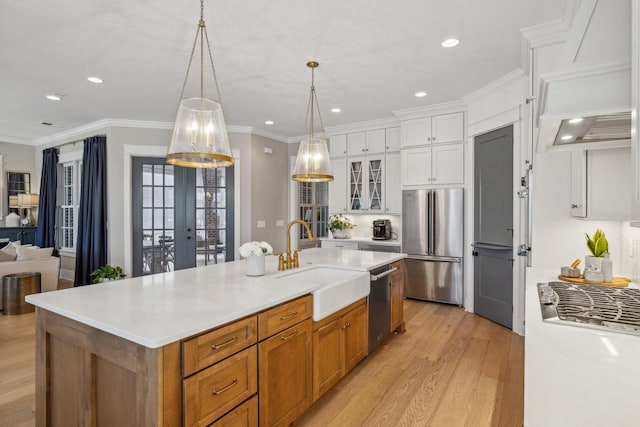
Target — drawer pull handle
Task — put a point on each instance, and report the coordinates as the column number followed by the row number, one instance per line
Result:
column 223, row 389
column 224, row 344
column 295, row 332
column 288, row 316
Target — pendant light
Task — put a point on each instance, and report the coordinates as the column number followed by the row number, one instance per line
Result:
column 199, row 138
column 312, row 163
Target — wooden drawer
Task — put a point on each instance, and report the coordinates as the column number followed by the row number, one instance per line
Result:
column 279, row 318
column 245, row 415
column 207, row 349
column 211, row 393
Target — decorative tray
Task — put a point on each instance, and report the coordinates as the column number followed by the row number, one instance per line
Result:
column 617, row 282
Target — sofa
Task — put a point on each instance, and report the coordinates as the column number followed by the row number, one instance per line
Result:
column 48, row 267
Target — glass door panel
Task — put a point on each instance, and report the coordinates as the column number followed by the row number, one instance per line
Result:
column 356, row 180
column 375, row 177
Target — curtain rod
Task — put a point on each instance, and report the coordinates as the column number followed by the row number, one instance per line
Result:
column 75, row 142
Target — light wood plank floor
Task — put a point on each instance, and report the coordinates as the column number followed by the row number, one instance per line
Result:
column 450, row 368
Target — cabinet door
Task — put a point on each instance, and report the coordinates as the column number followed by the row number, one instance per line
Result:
column 416, row 166
column 356, row 334
column 415, row 132
column 375, row 178
column 447, row 164
column 285, row 375
column 375, row 140
column 338, row 187
column 393, row 194
column 338, row 146
column 393, row 139
column 356, row 144
column 447, row 128
column 327, row 357
column 578, row 206
column 357, row 170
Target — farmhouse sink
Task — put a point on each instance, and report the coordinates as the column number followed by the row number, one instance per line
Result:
column 339, row 288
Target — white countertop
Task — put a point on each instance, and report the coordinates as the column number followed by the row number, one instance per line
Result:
column 364, row 240
column 162, row 308
column 576, row 376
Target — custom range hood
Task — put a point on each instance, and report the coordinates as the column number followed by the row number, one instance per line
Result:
column 585, row 109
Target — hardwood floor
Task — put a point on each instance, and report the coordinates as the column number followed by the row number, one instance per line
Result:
column 450, row 368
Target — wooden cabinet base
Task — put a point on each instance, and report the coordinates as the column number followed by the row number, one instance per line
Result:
column 85, row 376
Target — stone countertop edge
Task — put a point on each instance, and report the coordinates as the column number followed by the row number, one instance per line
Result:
column 159, row 309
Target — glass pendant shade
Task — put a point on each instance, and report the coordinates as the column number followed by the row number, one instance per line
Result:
column 312, row 163
column 199, row 136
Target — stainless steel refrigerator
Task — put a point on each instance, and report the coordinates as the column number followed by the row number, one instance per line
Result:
column 432, row 236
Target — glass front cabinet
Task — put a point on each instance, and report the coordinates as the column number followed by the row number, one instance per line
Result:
column 366, row 184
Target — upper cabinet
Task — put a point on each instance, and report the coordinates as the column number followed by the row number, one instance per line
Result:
column 437, row 165
column 338, row 146
column 635, row 106
column 366, row 183
column 338, row 187
column 369, row 142
column 393, row 139
column 443, row 128
column 601, row 184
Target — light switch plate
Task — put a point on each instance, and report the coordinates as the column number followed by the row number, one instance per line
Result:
column 261, row 224
column 279, row 223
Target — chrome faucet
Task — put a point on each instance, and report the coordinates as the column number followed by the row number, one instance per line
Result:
column 289, row 262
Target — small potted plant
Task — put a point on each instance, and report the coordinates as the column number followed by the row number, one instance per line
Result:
column 599, row 247
column 107, row 272
column 339, row 225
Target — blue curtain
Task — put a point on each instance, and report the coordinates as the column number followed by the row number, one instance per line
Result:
column 91, row 241
column 46, row 233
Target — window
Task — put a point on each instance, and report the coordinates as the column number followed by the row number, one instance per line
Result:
column 68, row 203
column 313, row 202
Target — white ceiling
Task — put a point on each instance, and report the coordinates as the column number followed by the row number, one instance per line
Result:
column 374, row 55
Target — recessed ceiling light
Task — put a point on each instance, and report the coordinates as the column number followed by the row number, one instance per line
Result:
column 335, row 110
column 268, row 122
column 94, row 79
column 576, row 120
column 566, row 137
column 421, row 94
column 450, row 43
column 54, row 97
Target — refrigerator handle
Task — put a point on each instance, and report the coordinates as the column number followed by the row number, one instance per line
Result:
column 433, row 221
column 429, row 220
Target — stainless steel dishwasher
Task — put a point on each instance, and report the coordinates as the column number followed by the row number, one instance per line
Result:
column 380, row 305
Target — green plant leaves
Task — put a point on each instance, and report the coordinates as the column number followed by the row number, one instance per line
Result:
column 598, row 245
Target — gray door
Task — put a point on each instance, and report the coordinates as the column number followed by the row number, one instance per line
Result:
column 182, row 217
column 493, row 226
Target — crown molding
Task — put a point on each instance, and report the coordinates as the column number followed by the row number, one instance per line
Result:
column 505, row 80
column 430, row 110
column 545, row 34
column 362, row 126
column 298, row 138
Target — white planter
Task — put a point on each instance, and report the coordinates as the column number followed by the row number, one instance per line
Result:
column 341, row 234
column 255, row 265
column 590, row 260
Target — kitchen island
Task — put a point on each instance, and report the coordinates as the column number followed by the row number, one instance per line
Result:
column 575, row 376
column 119, row 353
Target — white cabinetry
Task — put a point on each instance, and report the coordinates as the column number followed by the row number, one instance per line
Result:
column 366, row 183
column 432, row 130
column 600, row 184
column 393, row 189
column 369, row 142
column 340, row 244
column 441, row 164
column 635, row 111
column 393, row 139
column 338, row 146
column 338, row 187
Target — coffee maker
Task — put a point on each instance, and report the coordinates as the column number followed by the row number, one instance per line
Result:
column 381, row 229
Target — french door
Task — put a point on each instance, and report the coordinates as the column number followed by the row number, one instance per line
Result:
column 182, row 217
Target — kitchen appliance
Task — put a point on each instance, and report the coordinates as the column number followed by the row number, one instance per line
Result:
column 589, row 306
column 381, row 229
column 432, row 237
column 380, row 305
